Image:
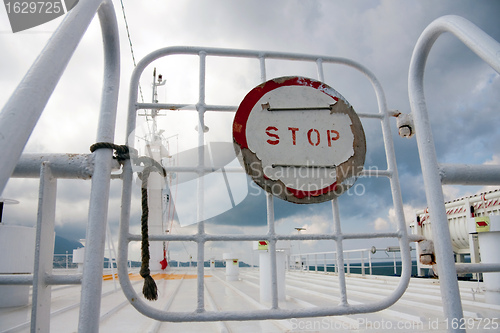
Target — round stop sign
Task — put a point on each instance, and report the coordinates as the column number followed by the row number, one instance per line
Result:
column 299, row 139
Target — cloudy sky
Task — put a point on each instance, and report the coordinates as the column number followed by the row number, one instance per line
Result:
column 462, row 94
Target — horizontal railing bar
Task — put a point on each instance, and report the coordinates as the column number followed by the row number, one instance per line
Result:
column 198, row 238
column 299, row 108
column 207, row 237
column 182, row 238
column 467, row 174
column 183, row 107
column 266, row 237
column 267, row 313
column 16, row 279
column 81, row 166
column 372, row 235
column 27, row 279
column 376, row 173
column 371, row 115
column 196, row 169
column 63, row 279
column 220, row 108
column 477, row 268
column 415, row 238
column 328, row 252
column 69, row 166
column 303, row 166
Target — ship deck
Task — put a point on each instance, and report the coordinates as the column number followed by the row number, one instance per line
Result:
column 419, row 310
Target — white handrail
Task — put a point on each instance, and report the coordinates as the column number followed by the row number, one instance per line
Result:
column 99, row 193
column 20, row 115
column 23, row 109
column 488, row 49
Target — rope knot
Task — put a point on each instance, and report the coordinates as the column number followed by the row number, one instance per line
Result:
column 121, row 152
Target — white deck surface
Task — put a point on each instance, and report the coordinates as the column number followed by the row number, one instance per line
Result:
column 419, row 310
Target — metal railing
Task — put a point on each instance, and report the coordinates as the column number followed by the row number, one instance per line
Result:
column 201, row 237
column 63, row 261
column 361, row 260
column 17, row 120
column 436, row 174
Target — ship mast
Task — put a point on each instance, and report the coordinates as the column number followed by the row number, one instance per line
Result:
column 155, row 134
column 157, row 185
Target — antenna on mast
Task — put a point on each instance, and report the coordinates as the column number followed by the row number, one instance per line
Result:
column 160, row 82
column 154, row 99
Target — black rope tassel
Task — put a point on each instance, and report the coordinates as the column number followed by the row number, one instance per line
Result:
column 149, row 290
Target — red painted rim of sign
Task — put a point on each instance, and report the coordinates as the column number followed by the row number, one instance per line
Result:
column 246, row 106
column 302, row 194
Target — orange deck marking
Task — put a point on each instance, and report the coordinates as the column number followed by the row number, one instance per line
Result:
column 157, row 276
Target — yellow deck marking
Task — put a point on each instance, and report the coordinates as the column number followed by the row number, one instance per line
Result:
column 157, row 276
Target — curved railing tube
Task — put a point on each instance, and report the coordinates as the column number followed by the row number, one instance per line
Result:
column 23, row 109
column 489, row 50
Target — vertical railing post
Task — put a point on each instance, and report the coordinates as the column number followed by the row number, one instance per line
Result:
column 370, row 262
column 363, row 263
column 394, row 260
column 44, row 250
column 262, row 62
column 99, row 193
column 200, row 267
column 348, row 263
column 335, row 264
column 339, row 253
column 324, row 262
column 272, row 249
column 319, row 67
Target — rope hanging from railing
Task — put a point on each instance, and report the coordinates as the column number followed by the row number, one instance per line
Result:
column 149, row 290
column 121, row 153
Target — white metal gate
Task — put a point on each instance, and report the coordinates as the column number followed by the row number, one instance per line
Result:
column 275, row 312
